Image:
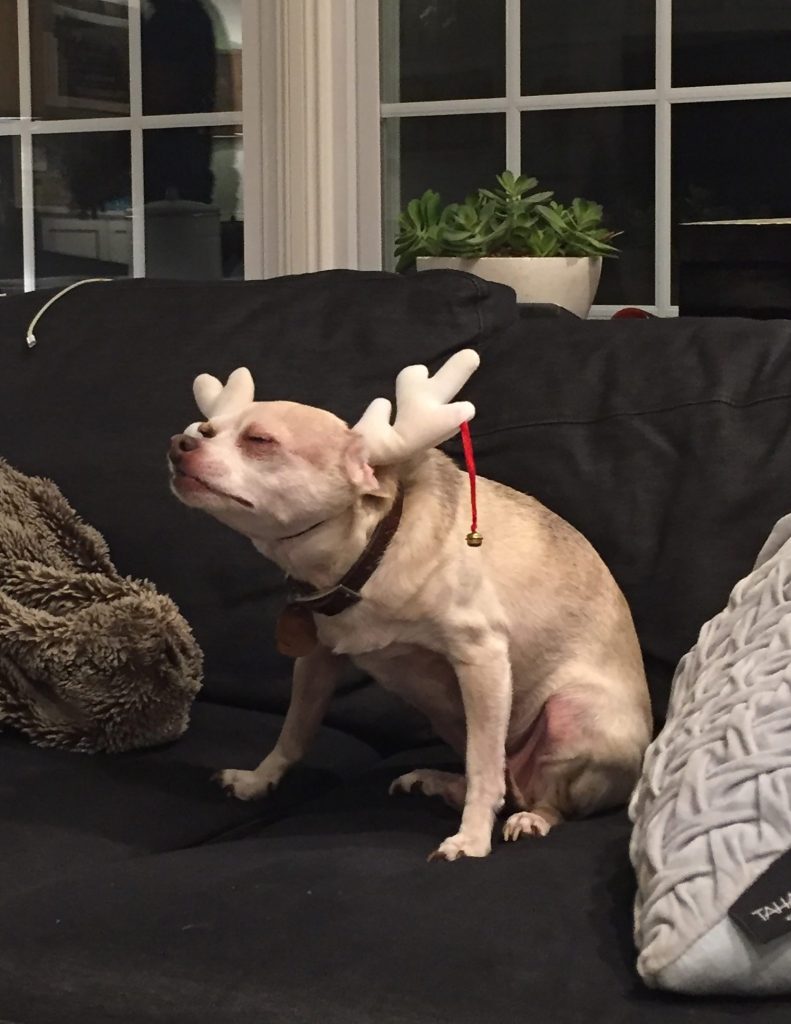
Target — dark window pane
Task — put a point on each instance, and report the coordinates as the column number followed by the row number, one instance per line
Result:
column 722, row 42
column 82, row 197
column 194, row 215
column 192, row 56
column 452, row 155
column 79, row 58
column 731, row 161
column 9, row 60
column 442, row 50
column 604, row 154
column 10, row 217
column 580, row 46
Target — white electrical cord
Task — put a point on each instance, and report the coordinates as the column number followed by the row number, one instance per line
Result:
column 30, row 337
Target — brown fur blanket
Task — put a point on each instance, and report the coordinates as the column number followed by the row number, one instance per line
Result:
column 89, row 661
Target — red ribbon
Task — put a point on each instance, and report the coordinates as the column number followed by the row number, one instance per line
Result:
column 469, row 459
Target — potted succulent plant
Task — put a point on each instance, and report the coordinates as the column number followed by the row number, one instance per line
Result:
column 512, row 234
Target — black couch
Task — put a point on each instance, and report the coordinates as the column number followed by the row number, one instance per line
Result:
column 131, row 889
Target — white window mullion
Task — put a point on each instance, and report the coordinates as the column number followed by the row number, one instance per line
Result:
column 28, row 221
column 23, row 43
column 663, row 227
column 745, row 91
column 513, row 86
column 437, row 108
column 205, row 119
column 26, row 147
column 389, row 32
column 136, row 139
column 602, row 312
column 577, row 100
column 76, row 125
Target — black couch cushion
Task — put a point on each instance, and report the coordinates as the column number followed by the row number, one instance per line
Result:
column 333, row 915
column 63, row 813
column 666, row 442
column 94, row 404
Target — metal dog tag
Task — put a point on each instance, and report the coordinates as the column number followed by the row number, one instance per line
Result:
column 296, row 634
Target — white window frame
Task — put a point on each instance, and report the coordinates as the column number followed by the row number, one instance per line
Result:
column 254, row 28
column 301, row 173
column 661, row 97
column 312, row 116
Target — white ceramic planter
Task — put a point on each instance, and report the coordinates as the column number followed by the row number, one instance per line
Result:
column 567, row 281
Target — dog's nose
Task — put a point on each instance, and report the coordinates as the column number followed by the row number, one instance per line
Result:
column 181, row 443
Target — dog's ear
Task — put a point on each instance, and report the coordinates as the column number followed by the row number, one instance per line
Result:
column 358, row 470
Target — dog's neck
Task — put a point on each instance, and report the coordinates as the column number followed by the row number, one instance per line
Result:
column 323, row 554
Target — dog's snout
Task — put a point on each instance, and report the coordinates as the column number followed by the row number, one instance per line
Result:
column 182, row 443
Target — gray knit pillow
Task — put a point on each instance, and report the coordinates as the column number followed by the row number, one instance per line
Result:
column 712, row 810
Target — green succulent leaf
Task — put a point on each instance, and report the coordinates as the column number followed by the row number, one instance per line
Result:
column 553, row 215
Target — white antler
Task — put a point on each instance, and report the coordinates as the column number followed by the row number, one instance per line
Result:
column 423, row 417
column 213, row 399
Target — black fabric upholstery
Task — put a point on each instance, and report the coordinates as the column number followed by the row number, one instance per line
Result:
column 131, row 889
column 333, row 915
column 64, row 813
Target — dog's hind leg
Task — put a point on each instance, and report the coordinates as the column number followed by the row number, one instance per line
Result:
column 582, row 758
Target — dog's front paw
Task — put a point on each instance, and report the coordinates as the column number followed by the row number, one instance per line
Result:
column 246, row 785
column 462, row 845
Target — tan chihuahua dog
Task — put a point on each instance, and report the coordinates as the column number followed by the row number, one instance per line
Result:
column 522, row 652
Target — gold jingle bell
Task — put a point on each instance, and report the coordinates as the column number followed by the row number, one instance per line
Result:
column 474, row 539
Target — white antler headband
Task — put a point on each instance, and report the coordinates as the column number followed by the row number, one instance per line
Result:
column 215, row 398
column 424, row 418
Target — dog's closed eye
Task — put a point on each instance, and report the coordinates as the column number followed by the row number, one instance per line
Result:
column 258, row 441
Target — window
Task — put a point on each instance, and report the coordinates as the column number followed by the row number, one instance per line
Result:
column 121, row 141
column 662, row 110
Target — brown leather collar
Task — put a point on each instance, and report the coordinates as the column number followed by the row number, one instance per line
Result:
column 346, row 592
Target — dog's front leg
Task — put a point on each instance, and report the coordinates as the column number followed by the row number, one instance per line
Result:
column 483, row 670
column 313, row 683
